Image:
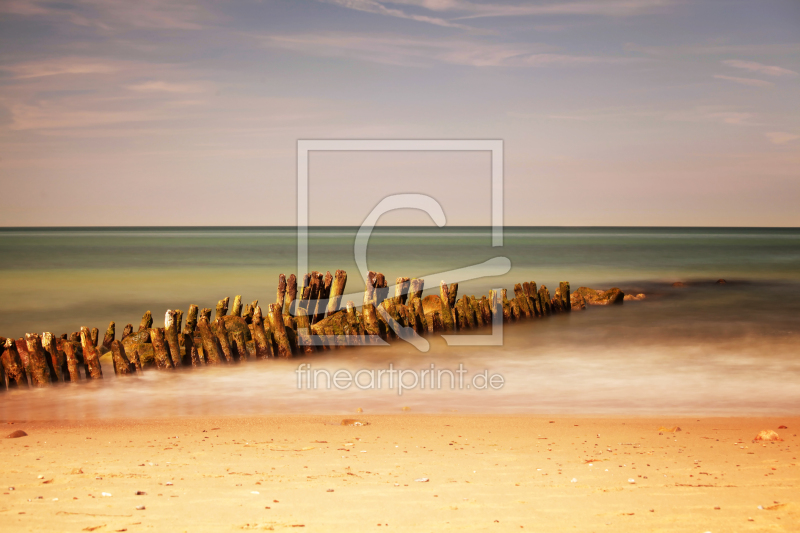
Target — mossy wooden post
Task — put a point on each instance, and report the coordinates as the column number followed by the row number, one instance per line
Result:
column 73, row 365
column 453, row 292
column 39, row 369
column 290, row 326
column 280, row 297
column 324, row 294
column 337, row 290
column 420, row 312
column 371, row 324
column 171, row 336
column 136, row 360
column 122, row 365
column 147, row 321
column 291, row 295
column 565, row 295
column 222, row 337
column 303, row 292
column 304, row 332
column 313, row 293
column 178, row 320
column 191, row 320
column 447, row 310
column 51, row 349
column 109, row 336
column 240, row 346
column 522, row 301
column 222, row 308
column 416, row 286
column 15, row 371
column 507, row 314
column 544, row 300
column 127, row 330
column 261, row 337
column 160, row 349
column 533, row 295
column 205, row 313
column 477, row 310
column 381, row 289
column 282, row 347
column 402, row 287
column 213, row 352
column 95, row 334
column 237, row 305
column 91, row 357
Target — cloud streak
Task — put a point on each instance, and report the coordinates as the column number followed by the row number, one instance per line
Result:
column 745, row 81
column 752, row 66
column 405, row 51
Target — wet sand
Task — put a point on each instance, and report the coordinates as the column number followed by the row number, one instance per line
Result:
column 492, row 473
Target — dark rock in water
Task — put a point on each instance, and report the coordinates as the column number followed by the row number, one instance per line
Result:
column 679, row 284
column 721, row 281
column 17, row 434
column 597, row 297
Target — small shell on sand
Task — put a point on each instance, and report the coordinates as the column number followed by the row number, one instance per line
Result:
column 768, row 434
column 16, row 434
column 353, row 422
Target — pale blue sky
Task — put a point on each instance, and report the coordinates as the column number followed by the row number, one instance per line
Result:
column 618, row 112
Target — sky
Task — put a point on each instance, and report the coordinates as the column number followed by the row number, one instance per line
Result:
column 612, row 112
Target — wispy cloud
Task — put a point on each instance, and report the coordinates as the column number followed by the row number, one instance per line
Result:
column 698, row 114
column 372, row 6
column 781, row 137
column 745, row 81
column 428, row 52
column 165, row 87
column 57, row 67
column 752, row 66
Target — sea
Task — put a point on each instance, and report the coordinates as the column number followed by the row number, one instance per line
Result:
column 701, row 349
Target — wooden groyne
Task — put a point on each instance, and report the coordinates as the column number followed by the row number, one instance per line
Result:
column 306, row 317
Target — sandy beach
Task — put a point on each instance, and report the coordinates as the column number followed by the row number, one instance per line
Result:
column 401, row 472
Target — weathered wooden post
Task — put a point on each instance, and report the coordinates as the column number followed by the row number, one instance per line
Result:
column 402, row 288
column 109, row 336
column 260, row 336
column 565, row 295
column 39, row 369
column 369, row 288
column 533, row 296
column 447, row 309
column 453, row 292
column 51, row 348
column 416, row 286
column 191, row 320
column 303, row 292
column 12, row 363
column 73, row 366
column 381, row 289
column 276, row 325
column 291, row 294
column 304, row 332
column 213, row 351
column 127, row 330
column 237, row 305
column 522, row 301
column 324, row 293
column 91, row 357
column 239, row 346
column 171, row 336
column 147, row 321
column 544, row 300
column 337, row 290
column 121, row 363
column 222, row 336
column 206, row 313
column 280, row 297
column 160, row 350
column 222, row 308
column 136, row 360
column 507, row 314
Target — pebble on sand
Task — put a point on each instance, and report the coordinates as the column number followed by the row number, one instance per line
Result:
column 768, row 435
column 16, row 434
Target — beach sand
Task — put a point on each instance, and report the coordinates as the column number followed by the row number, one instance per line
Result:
column 484, row 473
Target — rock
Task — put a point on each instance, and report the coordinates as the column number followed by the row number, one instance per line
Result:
column 597, row 297
column 679, row 284
column 16, row 434
column 669, row 430
column 76, row 471
column 634, row 297
column 768, row 435
column 721, row 282
column 782, row 427
column 577, row 301
column 353, row 422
